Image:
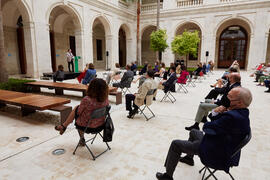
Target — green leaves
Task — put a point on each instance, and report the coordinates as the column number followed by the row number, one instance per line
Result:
column 158, row 40
column 186, row 43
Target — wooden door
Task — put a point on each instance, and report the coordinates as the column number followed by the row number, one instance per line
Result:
column 53, row 53
column 21, row 48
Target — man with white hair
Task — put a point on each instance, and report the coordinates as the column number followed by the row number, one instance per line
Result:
column 229, row 126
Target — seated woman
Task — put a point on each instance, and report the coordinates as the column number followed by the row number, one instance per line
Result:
column 161, row 71
column 183, row 76
column 90, row 74
column 97, row 97
column 115, row 75
column 81, row 76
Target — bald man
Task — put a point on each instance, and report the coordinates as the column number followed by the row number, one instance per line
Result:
column 220, row 138
column 208, row 105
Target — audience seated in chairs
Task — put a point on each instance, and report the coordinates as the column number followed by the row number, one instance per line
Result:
column 220, row 139
column 138, row 99
column 97, row 97
column 142, row 78
column 90, row 74
column 125, row 79
column 167, row 73
column 205, row 107
column 144, row 69
column 134, row 67
column 59, row 75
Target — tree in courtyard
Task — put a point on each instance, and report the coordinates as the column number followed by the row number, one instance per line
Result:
column 158, row 41
column 185, row 44
column 3, row 71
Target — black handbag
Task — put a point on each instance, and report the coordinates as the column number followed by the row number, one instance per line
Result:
column 108, row 129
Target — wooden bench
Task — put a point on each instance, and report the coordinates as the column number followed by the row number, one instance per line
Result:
column 60, row 87
column 29, row 103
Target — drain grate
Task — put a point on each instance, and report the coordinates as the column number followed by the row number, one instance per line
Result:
column 58, row 152
column 22, row 139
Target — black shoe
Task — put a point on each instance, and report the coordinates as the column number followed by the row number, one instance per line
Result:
column 268, row 91
column 154, row 98
column 163, row 176
column 194, row 126
column 204, row 119
column 187, row 160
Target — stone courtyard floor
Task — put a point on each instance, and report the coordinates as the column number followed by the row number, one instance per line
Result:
column 139, row 147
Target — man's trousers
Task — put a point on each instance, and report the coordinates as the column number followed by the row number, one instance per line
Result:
column 203, row 110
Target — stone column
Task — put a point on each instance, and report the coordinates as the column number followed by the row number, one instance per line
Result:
column 30, row 49
column 80, row 48
column 140, row 51
column 43, row 51
column 109, row 47
column 258, row 41
column 130, row 58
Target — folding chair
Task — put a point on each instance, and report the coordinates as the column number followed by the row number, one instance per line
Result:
column 98, row 113
column 181, row 86
column 238, row 149
column 149, row 93
column 168, row 94
column 190, row 81
column 125, row 89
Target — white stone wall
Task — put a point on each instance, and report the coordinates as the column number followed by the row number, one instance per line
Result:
column 209, row 17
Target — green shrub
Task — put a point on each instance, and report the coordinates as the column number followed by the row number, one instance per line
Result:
column 15, row 85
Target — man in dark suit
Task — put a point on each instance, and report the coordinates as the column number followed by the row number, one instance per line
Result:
column 207, row 106
column 222, row 136
column 167, row 85
column 126, row 79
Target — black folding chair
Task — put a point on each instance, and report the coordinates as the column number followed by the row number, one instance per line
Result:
column 98, row 113
column 125, row 88
column 168, row 94
column 149, row 93
column 237, row 150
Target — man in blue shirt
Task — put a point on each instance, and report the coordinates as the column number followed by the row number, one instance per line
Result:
column 220, row 138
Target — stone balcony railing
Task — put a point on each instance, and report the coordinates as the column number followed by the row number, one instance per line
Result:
column 183, row 3
column 228, row 0
column 151, row 7
column 123, row 4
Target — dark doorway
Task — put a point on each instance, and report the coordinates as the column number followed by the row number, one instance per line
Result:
column 21, row 46
column 53, row 54
column 72, row 44
column 122, row 48
column 232, row 46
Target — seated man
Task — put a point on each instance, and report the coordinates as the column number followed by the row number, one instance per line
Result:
column 205, row 107
column 124, row 80
column 166, row 85
column 59, row 75
column 222, row 136
column 138, row 99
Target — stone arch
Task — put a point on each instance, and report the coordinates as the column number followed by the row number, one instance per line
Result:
column 232, row 24
column 105, row 22
column 18, row 41
column 65, row 33
column 190, row 26
column 188, row 22
column 147, row 54
column 102, row 42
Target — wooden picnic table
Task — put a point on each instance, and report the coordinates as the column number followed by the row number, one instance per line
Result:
column 29, row 103
column 60, row 87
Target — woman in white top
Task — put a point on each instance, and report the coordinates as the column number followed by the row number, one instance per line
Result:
column 161, row 71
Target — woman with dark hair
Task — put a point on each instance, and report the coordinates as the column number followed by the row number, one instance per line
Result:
column 183, row 75
column 161, row 71
column 90, row 74
column 97, row 97
column 198, row 70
